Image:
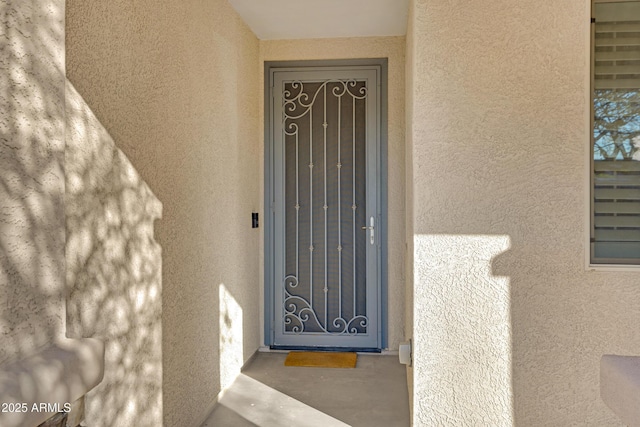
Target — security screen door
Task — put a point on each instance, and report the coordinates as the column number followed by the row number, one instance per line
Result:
column 326, row 144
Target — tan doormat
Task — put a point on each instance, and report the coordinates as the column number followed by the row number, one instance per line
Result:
column 321, row 359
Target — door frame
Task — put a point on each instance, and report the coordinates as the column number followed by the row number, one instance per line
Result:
column 270, row 67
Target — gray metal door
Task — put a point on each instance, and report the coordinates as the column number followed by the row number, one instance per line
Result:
column 326, row 131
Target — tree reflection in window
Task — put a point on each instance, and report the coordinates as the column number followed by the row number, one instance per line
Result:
column 616, row 132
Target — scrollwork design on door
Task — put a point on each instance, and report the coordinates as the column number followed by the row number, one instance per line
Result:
column 300, row 311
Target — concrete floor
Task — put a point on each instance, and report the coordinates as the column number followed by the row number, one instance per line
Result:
column 269, row 394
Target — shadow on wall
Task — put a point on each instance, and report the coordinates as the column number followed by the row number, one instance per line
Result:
column 31, row 178
column 113, row 263
column 36, row 363
column 563, row 319
column 113, row 271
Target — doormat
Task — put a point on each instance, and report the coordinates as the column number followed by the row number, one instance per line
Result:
column 321, row 359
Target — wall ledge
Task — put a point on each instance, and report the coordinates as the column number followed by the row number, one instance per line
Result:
column 59, row 374
column 620, row 386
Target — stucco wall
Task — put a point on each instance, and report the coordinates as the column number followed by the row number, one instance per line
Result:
column 31, row 176
column 509, row 326
column 176, row 87
column 368, row 47
column 113, row 271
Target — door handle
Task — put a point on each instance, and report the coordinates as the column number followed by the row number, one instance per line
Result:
column 371, row 229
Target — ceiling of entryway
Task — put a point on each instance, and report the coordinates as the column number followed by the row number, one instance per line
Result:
column 298, row 19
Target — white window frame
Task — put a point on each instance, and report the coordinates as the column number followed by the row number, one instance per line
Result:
column 589, row 154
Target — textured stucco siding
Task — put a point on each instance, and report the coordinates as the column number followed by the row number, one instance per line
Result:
column 31, row 176
column 509, row 326
column 369, row 47
column 113, row 271
column 176, row 87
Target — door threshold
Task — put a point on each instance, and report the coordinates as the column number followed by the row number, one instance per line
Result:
column 328, row 349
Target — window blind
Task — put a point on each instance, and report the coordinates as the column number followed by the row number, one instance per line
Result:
column 615, row 232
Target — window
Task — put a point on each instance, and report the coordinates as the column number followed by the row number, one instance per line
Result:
column 615, row 166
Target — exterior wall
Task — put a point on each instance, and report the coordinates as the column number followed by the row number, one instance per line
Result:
column 367, row 47
column 31, row 176
column 509, row 326
column 113, row 272
column 176, row 87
